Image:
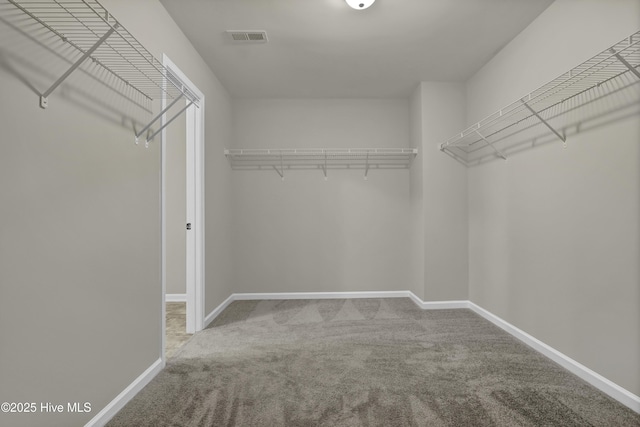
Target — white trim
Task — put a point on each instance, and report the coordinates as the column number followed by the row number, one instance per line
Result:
column 103, row 417
column 190, row 237
column 321, row 295
column 601, row 383
column 175, row 298
column 444, row 305
column 163, row 228
column 438, row 305
column 195, row 205
column 199, row 232
column 211, row 316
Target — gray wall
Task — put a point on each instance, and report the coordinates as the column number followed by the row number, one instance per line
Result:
column 445, row 195
column 80, row 290
column 438, row 195
column 554, row 233
column 307, row 234
column 154, row 28
column 417, row 196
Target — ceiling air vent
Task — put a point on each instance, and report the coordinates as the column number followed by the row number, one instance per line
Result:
column 248, row 36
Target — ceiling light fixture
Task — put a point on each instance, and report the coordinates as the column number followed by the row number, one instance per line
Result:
column 360, row 4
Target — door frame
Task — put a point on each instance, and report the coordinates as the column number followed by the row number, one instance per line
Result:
column 195, row 277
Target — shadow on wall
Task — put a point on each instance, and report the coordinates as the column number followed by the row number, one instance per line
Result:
column 590, row 110
column 37, row 58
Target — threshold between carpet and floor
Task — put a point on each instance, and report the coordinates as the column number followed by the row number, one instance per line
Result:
column 176, row 325
column 363, row 362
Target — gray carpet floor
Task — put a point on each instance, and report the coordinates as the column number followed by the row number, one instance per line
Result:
column 363, row 362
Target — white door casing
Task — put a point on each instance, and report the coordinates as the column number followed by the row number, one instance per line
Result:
column 194, row 210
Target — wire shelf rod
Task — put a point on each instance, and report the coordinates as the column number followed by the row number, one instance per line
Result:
column 320, row 159
column 65, row 37
column 582, row 92
column 80, row 23
column 554, row 116
column 585, row 76
column 84, row 34
column 605, row 73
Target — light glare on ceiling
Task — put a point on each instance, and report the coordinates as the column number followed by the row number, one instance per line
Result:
column 360, row 4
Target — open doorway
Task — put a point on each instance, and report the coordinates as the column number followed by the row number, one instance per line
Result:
column 182, row 217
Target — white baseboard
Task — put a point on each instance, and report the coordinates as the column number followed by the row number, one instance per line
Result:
column 444, row 305
column 211, row 316
column 601, row 383
column 175, row 298
column 321, row 295
column 103, row 417
column 438, row 305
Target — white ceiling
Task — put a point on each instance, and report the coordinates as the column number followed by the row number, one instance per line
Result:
column 323, row 48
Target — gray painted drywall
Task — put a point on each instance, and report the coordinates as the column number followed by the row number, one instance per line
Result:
column 554, row 233
column 439, row 267
column 444, row 195
column 80, row 291
column 417, row 196
column 308, row 234
column 79, row 255
column 176, row 203
column 159, row 33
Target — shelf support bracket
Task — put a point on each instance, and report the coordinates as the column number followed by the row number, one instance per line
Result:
column 324, row 169
column 562, row 137
column 155, row 119
column 366, row 170
column 631, row 68
column 498, row 152
column 168, row 122
column 44, row 102
column 281, row 171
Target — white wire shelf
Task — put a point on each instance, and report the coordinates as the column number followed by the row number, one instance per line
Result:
column 321, row 159
column 552, row 108
column 89, row 38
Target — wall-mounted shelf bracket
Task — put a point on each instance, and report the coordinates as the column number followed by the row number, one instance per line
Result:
column 44, row 102
column 324, row 169
column 156, row 118
column 150, row 135
column 558, row 134
column 281, row 171
column 498, row 152
column 168, row 122
column 607, row 83
column 78, row 30
column 631, row 68
column 366, row 169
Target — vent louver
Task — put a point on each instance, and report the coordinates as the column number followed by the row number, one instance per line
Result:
column 248, row 36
